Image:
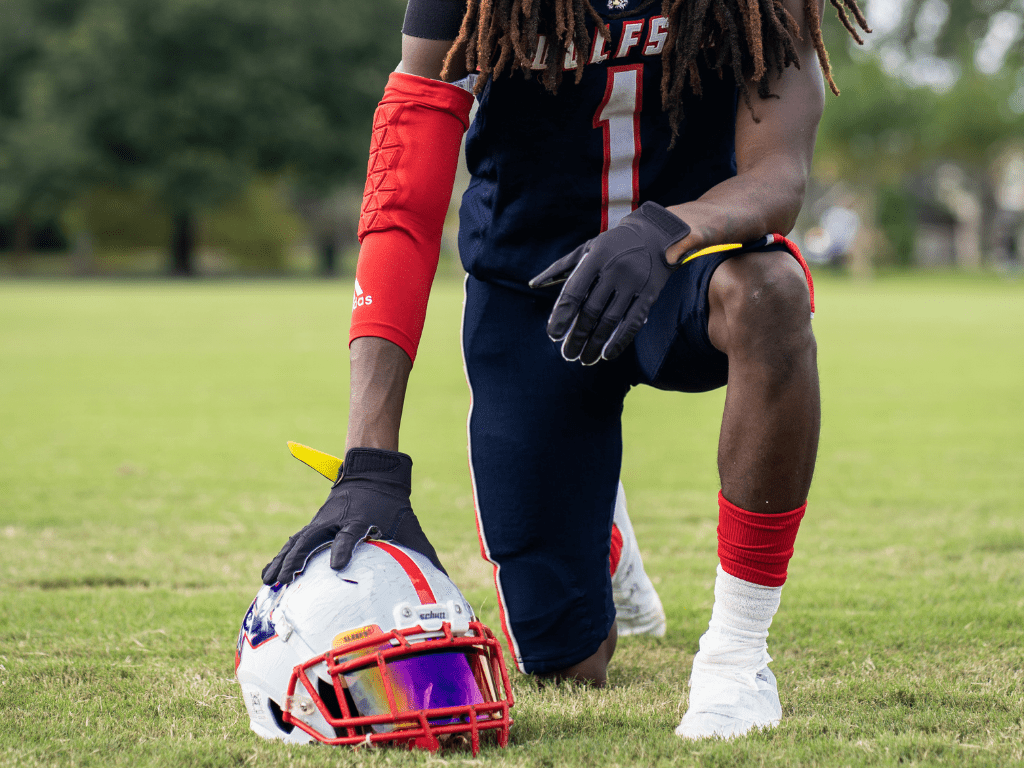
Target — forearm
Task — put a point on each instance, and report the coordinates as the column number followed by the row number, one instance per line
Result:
column 414, row 153
column 743, row 208
column 378, row 380
column 774, row 148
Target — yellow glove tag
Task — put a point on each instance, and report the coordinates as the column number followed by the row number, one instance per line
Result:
column 711, row 249
column 327, row 465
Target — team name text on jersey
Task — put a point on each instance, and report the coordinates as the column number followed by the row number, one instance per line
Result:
column 632, row 34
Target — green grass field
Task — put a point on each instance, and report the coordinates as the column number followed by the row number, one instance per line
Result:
column 144, row 482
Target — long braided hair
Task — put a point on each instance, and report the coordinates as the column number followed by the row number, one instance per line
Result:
column 752, row 38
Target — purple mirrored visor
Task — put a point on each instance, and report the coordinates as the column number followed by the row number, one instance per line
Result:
column 428, row 681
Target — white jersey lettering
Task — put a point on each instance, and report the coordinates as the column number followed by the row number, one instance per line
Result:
column 657, row 36
column 618, row 117
column 632, row 32
column 599, row 49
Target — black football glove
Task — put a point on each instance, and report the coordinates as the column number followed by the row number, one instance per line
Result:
column 369, row 500
column 611, row 283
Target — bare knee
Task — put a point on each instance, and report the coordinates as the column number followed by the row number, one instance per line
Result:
column 761, row 310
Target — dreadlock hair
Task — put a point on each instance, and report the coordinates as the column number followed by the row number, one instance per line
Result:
column 744, row 38
column 497, row 32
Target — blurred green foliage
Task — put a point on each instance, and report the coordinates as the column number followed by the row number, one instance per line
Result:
column 896, row 217
column 119, row 219
column 185, row 101
column 190, row 107
column 915, row 92
column 256, row 227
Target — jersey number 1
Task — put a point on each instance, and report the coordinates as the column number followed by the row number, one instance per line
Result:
column 618, row 117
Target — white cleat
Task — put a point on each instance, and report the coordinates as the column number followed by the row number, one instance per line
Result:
column 638, row 608
column 726, row 703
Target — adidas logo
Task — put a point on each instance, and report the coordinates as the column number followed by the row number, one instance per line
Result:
column 359, row 299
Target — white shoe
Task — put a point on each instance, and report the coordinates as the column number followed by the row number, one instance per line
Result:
column 638, row 608
column 729, row 705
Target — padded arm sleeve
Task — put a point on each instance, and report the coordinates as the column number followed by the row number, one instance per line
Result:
column 414, row 152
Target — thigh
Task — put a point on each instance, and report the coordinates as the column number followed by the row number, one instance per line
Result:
column 545, row 450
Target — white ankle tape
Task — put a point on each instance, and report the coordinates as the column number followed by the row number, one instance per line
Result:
column 738, row 631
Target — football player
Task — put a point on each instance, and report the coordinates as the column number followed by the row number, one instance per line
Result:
column 635, row 167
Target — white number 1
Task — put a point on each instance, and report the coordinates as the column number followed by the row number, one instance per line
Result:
column 618, row 117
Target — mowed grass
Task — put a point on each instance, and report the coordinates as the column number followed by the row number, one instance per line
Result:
column 144, row 482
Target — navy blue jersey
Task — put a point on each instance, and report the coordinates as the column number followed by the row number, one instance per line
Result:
column 549, row 171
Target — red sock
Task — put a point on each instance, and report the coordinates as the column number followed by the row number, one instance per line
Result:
column 756, row 547
column 616, row 553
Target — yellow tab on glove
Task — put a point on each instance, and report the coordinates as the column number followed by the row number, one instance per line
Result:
column 327, row 465
column 711, row 249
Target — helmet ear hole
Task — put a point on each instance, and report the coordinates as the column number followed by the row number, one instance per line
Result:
column 275, row 710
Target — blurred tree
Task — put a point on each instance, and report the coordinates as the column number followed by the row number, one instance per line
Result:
column 187, row 100
column 937, row 78
column 255, row 228
column 43, row 157
column 896, row 217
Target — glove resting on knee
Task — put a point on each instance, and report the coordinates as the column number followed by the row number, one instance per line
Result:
column 611, row 282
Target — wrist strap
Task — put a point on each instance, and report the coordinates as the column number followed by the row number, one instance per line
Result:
column 363, row 462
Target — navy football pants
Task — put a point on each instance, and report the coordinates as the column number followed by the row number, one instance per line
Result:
column 546, row 449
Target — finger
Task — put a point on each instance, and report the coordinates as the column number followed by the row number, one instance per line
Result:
column 565, row 313
column 591, row 352
column 345, row 539
column 563, row 317
column 626, row 331
column 272, row 570
column 590, row 317
column 342, row 547
column 309, row 540
column 560, row 270
column 568, row 353
column 610, row 320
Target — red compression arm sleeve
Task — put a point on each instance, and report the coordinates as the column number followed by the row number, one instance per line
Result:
column 414, row 152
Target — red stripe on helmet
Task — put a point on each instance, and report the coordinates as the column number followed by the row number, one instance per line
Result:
column 416, row 576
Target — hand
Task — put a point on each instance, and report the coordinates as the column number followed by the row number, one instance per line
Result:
column 611, row 283
column 369, row 500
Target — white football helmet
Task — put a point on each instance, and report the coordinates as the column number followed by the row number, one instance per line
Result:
column 387, row 650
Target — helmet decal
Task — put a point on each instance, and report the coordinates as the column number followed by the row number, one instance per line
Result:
column 351, row 635
column 257, row 626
